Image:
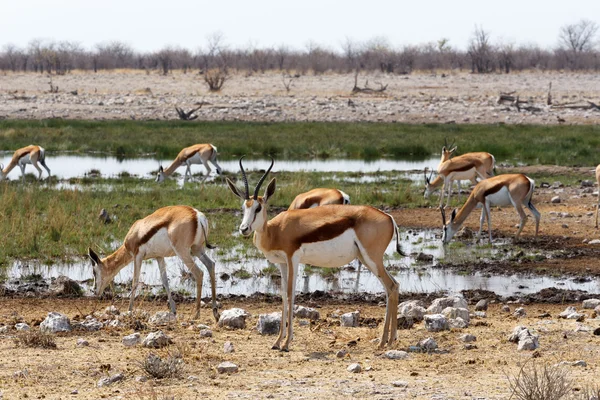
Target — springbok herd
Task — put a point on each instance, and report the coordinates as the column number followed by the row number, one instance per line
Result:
column 331, row 235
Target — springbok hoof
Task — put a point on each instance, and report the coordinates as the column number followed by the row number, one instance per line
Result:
column 275, row 347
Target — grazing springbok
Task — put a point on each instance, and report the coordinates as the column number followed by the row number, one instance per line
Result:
column 327, row 236
column 501, row 190
column 196, row 154
column 468, row 166
column 169, row 231
column 319, row 197
column 598, row 205
column 27, row 155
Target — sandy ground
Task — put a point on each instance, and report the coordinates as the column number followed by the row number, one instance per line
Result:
column 418, row 98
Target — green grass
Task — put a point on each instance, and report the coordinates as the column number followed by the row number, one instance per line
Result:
column 557, row 145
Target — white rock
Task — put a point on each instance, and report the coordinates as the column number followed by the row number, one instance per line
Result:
column 468, row 338
column 91, row 324
column 132, row 340
column 341, row 353
column 520, row 312
column 112, row 310
column 269, row 324
column 458, row 323
column 3, row 330
column 591, row 303
column 518, row 333
column 580, row 363
column 594, row 241
column 575, row 315
column 568, row 311
column 453, row 312
column 227, row 367
column 438, row 305
column 162, row 318
column 480, row 314
column 555, row 200
column 506, row 308
column 306, row 312
column 350, row 319
column 233, row 318
column 110, row 380
column 482, row 305
column 412, row 309
column 400, row 384
column 22, row 326
column 529, row 343
column 206, row 333
column 428, row 344
column 81, row 342
column 55, row 322
column 396, row 354
column 156, row 340
column 228, row 347
column 354, row 368
column 436, row 323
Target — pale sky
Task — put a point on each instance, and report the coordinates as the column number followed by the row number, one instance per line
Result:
column 153, row 24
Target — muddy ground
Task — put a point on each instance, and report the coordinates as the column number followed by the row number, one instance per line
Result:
column 417, row 98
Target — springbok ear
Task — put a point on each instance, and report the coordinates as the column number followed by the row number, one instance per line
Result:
column 453, row 215
column 270, row 190
column 93, row 256
column 234, row 189
column 160, row 169
column 453, row 149
column 443, row 149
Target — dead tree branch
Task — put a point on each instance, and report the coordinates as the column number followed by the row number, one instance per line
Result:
column 187, row 116
column 367, row 89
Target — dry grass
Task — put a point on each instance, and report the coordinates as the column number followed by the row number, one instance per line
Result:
column 36, row 339
column 540, row 382
column 171, row 366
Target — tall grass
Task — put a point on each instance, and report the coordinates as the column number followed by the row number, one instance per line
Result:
column 562, row 145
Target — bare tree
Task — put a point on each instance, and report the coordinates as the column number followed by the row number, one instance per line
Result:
column 480, row 51
column 505, row 54
column 578, row 37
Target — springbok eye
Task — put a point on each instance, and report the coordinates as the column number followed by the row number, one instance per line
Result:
column 258, row 208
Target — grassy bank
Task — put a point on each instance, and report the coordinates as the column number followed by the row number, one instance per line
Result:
column 46, row 222
column 533, row 144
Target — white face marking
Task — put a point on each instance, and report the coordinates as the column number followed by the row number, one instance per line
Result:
column 253, row 217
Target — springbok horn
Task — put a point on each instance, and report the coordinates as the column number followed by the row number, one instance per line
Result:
column 443, row 216
column 262, row 179
column 244, row 178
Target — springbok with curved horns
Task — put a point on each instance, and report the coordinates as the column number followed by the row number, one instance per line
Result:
column 319, row 197
column 169, row 231
column 196, row 154
column 501, row 190
column 326, row 236
column 468, row 166
column 27, row 155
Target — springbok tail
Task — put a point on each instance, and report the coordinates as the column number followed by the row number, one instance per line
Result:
column 208, row 245
column 42, row 158
column 345, row 197
column 493, row 165
column 213, row 156
column 397, row 233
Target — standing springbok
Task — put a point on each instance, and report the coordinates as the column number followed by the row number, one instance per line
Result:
column 501, row 190
column 169, row 231
column 468, row 166
column 196, row 154
column 27, row 155
column 597, row 205
column 319, row 197
column 326, row 236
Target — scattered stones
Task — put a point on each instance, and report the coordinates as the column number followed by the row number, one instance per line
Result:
column 412, row 309
column 587, row 183
column 354, row 368
column 206, row 333
column 22, row 326
column 3, row 330
column 132, row 340
column 436, row 323
column 306, row 312
column 350, row 319
column 112, row 310
column 227, row 367
column 65, row 287
column 91, row 324
column 234, row 318
column 341, row 353
column 520, row 312
column 269, row 324
column 55, row 322
column 594, row 241
column 202, row 326
column 525, row 339
column 228, row 347
column 458, row 323
column 400, row 384
column 428, row 344
column 193, row 378
column 506, row 308
column 568, row 311
column 156, row 340
column 162, row 318
column 110, row 380
column 470, row 346
column 396, row 354
column 555, row 200
column 81, row 342
column 529, row 343
column 480, row 314
column 482, row 305
column 453, row 312
column 438, row 305
column 591, row 303
column 468, row 338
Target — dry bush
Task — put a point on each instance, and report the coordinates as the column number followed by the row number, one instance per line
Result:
column 215, row 78
column 540, row 382
column 158, row 368
column 36, row 339
column 589, row 393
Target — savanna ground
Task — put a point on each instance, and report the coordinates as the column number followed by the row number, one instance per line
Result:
column 311, row 369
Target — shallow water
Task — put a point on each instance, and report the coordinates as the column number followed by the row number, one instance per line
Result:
column 412, row 276
column 65, row 166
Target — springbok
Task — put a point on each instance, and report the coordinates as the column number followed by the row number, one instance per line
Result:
column 169, row 231
column 468, row 166
column 319, row 197
column 196, row 154
column 27, row 155
column 597, row 205
column 326, row 236
column 501, row 190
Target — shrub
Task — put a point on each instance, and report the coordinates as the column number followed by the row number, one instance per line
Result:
column 540, row 382
column 36, row 339
column 158, row 368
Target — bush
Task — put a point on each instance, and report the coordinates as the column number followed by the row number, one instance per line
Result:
column 36, row 339
column 215, row 78
column 157, row 368
column 540, row 382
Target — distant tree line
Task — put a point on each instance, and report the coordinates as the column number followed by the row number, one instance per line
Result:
column 577, row 48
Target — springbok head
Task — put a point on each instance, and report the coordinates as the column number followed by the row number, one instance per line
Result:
column 428, row 187
column 254, row 208
column 160, row 176
column 448, row 150
column 101, row 276
column 448, row 229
